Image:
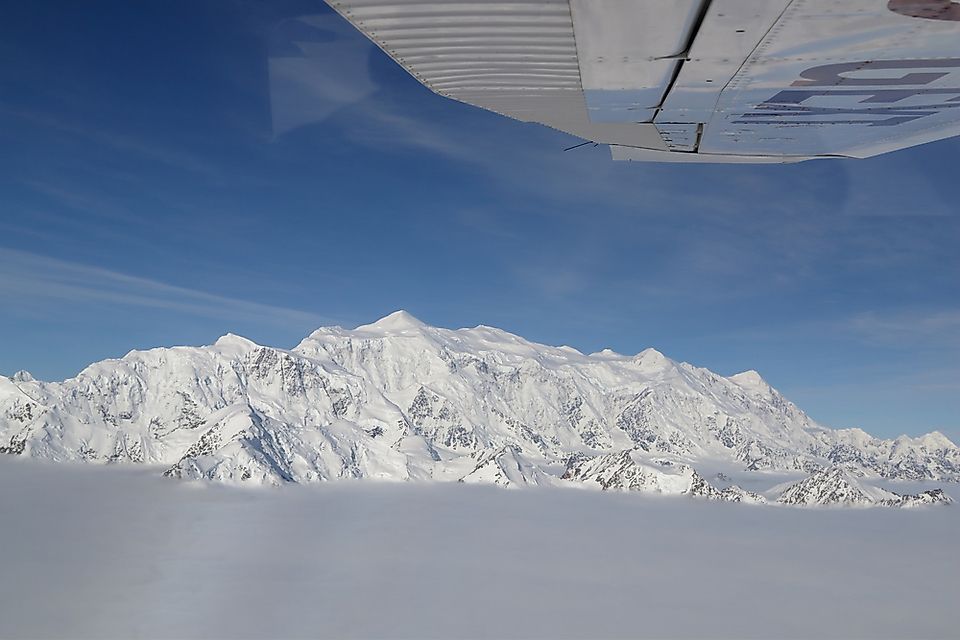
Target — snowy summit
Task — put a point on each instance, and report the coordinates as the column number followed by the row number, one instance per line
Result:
column 401, row 400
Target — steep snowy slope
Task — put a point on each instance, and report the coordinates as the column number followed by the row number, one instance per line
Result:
column 399, row 400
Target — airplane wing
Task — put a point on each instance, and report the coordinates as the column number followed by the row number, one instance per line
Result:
column 691, row 80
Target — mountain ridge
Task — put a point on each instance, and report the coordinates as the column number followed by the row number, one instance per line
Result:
column 400, row 400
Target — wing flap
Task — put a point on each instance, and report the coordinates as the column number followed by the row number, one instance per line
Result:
column 629, row 52
column 851, row 78
column 731, row 30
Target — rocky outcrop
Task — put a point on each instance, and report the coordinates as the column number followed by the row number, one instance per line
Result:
column 837, row 486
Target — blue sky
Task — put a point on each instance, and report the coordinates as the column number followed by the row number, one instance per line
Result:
column 171, row 172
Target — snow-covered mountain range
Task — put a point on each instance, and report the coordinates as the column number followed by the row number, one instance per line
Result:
column 400, row 400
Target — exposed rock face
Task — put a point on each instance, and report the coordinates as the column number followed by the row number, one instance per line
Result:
column 837, row 486
column 505, row 467
column 399, row 400
column 626, row 470
column 922, row 499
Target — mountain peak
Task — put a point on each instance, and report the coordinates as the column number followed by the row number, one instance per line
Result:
column 652, row 360
column 397, row 321
column 233, row 341
column 749, row 379
column 22, row 376
column 936, row 440
column 606, row 353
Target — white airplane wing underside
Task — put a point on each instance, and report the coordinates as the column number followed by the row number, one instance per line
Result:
column 691, row 80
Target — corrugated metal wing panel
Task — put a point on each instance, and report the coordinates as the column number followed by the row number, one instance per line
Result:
column 517, row 58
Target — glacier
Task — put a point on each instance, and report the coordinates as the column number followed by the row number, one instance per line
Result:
column 398, row 400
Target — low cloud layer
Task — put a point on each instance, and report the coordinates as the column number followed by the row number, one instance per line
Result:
column 116, row 553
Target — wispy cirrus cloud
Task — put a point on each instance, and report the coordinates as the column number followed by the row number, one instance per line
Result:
column 149, row 149
column 939, row 328
column 30, row 281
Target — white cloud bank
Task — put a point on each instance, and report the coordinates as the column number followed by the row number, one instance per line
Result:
column 111, row 553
